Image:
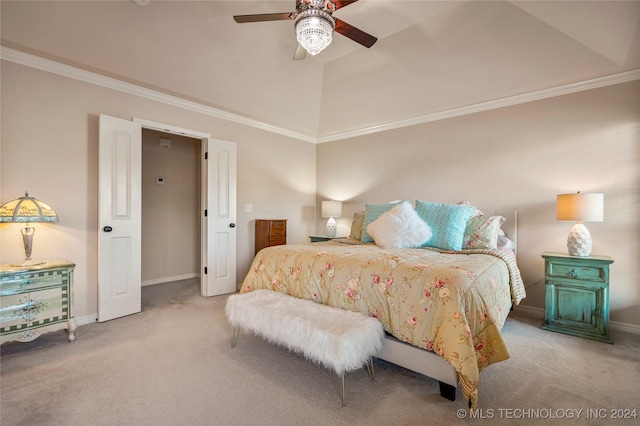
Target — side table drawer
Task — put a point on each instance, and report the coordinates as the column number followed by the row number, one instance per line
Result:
column 33, row 309
column 21, row 283
column 587, row 273
column 277, row 240
column 278, row 228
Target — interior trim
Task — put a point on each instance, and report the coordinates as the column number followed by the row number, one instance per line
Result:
column 37, row 62
column 566, row 89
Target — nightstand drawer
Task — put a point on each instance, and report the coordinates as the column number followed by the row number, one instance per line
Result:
column 277, row 240
column 21, row 283
column 279, row 226
column 278, row 232
column 575, row 272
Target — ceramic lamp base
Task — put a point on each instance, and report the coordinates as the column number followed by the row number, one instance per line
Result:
column 332, row 227
column 579, row 241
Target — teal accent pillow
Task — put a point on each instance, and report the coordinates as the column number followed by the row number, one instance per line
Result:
column 371, row 213
column 447, row 221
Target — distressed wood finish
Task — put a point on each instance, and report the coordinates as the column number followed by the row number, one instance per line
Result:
column 577, row 295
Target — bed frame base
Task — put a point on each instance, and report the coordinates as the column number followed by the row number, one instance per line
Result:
column 423, row 362
column 447, row 391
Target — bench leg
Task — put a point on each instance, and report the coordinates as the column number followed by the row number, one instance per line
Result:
column 234, row 339
column 344, row 403
column 370, row 368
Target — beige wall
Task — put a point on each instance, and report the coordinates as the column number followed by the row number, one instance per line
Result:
column 49, row 146
column 170, row 212
column 520, row 158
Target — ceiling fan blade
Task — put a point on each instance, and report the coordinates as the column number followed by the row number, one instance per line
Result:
column 300, row 53
column 242, row 19
column 359, row 36
column 342, row 3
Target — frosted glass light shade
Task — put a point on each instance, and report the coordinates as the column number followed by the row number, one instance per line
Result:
column 581, row 208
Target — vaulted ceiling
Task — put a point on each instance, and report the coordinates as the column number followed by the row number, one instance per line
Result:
column 431, row 56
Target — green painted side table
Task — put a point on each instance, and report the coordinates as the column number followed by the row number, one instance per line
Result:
column 35, row 300
column 321, row 238
column 577, row 295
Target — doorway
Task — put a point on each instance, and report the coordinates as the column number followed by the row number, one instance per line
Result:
column 120, row 214
column 171, row 206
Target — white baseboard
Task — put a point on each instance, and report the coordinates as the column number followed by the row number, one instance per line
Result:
column 613, row 325
column 169, row 279
column 89, row 319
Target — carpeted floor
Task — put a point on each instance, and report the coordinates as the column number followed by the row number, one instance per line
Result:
column 172, row 364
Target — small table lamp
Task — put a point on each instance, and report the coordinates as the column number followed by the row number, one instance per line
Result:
column 331, row 209
column 581, row 208
column 27, row 210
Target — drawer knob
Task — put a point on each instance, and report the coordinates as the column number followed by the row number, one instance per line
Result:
column 573, row 273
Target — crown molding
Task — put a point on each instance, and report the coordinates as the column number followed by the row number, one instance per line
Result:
column 54, row 67
column 566, row 89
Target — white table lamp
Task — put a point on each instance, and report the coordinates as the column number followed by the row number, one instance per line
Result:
column 581, row 208
column 331, row 209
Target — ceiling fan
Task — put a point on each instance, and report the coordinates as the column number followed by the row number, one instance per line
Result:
column 314, row 25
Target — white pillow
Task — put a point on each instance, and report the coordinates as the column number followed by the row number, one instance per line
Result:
column 505, row 243
column 399, row 227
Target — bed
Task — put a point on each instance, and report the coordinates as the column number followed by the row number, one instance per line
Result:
column 434, row 303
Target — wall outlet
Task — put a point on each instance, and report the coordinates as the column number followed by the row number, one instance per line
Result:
column 159, row 180
column 248, row 208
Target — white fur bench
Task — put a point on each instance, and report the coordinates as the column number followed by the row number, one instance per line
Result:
column 335, row 338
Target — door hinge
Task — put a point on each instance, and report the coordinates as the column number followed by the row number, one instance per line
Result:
column 206, row 155
column 205, row 212
column 205, row 270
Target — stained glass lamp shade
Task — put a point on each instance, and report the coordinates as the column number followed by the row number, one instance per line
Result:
column 27, row 210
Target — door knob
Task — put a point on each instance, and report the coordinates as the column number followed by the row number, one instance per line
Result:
column 232, row 225
column 107, row 229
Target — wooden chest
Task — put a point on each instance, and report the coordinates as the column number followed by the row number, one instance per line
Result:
column 270, row 232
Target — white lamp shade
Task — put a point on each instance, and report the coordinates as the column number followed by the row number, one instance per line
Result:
column 580, row 207
column 331, row 208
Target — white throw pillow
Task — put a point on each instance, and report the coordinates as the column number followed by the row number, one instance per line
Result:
column 399, row 227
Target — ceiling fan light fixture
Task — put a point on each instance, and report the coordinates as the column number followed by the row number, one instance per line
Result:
column 314, row 30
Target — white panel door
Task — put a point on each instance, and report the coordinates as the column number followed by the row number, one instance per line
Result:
column 119, row 218
column 219, row 225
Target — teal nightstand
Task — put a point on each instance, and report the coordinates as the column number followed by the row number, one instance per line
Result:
column 321, row 238
column 577, row 295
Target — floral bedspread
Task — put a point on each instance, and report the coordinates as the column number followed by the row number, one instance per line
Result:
column 454, row 304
